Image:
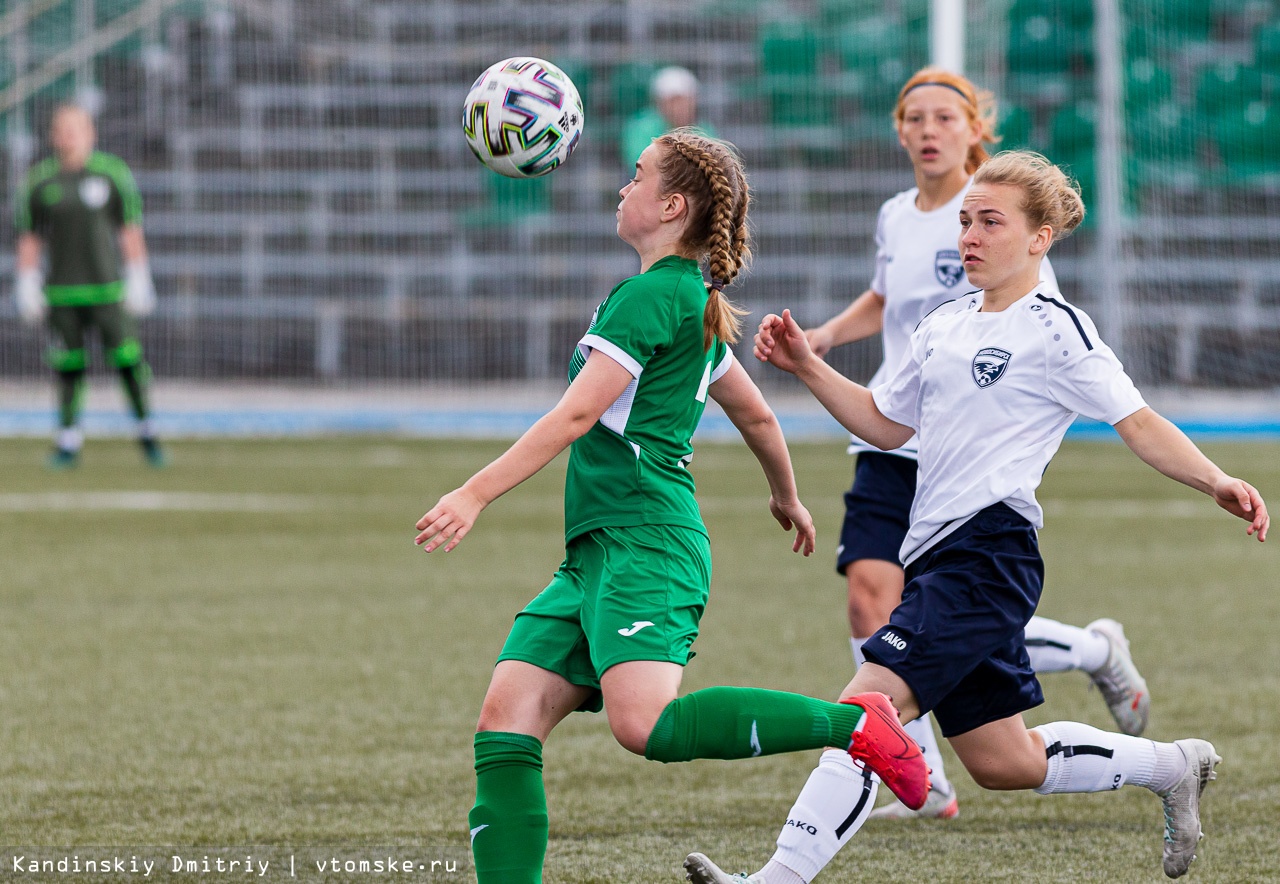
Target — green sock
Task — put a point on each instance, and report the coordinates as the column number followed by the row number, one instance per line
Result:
column 134, row 380
column 509, row 820
column 743, row 722
column 70, row 396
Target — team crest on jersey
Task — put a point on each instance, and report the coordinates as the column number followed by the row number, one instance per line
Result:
column 989, row 365
column 947, row 267
column 95, row 192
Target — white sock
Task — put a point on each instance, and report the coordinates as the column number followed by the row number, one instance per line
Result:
column 1058, row 647
column 858, row 657
column 70, row 438
column 1085, row 759
column 775, row 872
column 921, row 730
column 834, row 803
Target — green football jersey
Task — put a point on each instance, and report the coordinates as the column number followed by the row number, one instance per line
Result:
column 630, row 468
column 79, row 214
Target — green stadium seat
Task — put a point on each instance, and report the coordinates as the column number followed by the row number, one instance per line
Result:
column 1016, row 128
column 1179, row 19
column 1164, row 146
column 873, row 58
column 1077, row 14
column 1246, row 140
column 105, row 11
column 629, row 88
column 1146, row 83
column 1166, row 131
column 833, row 13
column 1140, row 42
column 1072, row 136
column 50, row 31
column 799, row 101
column 508, row 200
column 789, row 47
column 1043, row 42
column 1227, row 87
column 1072, row 132
column 1266, row 56
column 1047, row 54
column 789, row 50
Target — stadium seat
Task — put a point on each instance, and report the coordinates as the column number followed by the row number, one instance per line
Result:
column 833, row 13
column 629, row 88
column 1164, row 150
column 1016, row 128
column 794, row 93
column 1045, row 42
column 1047, row 53
column 1266, row 56
column 1177, row 19
column 1072, row 136
column 1227, row 87
column 799, row 101
column 1145, row 84
column 1246, row 140
column 508, row 200
column 1072, row 131
column 873, row 60
column 789, row 47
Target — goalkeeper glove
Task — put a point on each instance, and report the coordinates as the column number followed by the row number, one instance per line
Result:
column 28, row 292
column 139, row 290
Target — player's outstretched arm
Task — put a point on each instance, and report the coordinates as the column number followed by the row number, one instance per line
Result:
column 1161, row 444
column 745, row 406
column 599, row 384
column 782, row 343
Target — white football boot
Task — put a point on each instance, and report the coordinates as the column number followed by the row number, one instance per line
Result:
column 938, row 806
column 1123, row 687
column 701, row 870
column 1182, row 806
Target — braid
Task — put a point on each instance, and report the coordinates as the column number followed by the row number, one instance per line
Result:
column 712, row 180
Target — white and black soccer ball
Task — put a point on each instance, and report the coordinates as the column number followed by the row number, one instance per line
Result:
column 523, row 117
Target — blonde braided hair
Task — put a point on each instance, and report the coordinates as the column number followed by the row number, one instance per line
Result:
column 711, row 176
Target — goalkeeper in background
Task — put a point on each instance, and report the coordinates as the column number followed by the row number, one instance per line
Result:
column 84, row 208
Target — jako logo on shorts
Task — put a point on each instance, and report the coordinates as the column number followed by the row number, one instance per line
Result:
column 894, row 640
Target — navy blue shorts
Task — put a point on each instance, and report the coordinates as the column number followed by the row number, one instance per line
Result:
column 957, row 637
column 877, row 509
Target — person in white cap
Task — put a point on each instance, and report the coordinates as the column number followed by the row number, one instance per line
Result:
column 674, row 92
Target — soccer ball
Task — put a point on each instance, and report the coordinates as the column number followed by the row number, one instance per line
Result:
column 522, row 117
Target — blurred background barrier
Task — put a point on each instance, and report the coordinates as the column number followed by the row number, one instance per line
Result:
column 313, row 212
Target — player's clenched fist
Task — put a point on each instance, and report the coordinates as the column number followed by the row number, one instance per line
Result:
column 782, row 343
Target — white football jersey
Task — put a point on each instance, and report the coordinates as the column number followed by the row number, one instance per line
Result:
column 991, row 396
column 918, row 267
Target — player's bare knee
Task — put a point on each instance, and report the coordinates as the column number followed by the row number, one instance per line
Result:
column 631, row 732
column 875, row 588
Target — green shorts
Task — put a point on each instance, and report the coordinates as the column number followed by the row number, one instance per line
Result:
column 72, row 324
column 621, row 594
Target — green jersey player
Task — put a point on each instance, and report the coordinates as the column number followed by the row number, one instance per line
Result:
column 613, row 629
column 81, row 206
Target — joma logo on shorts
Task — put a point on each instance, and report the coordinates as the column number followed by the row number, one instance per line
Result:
column 894, row 640
column 635, row 627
